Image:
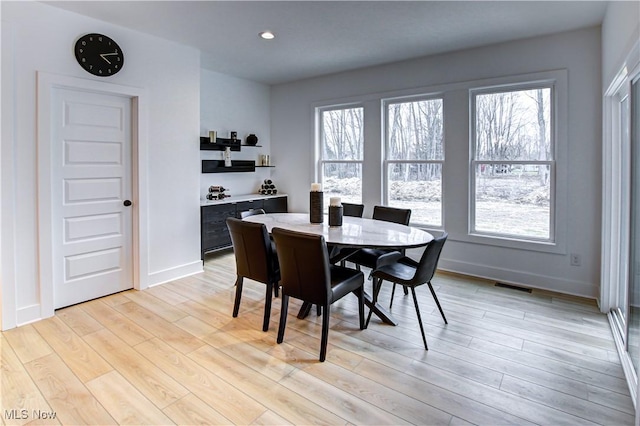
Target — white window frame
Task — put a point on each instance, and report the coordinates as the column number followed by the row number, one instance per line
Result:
column 386, row 161
column 559, row 107
column 473, row 94
column 320, row 145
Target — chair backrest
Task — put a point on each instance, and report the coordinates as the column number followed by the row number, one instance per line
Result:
column 251, row 212
column 252, row 249
column 304, row 265
column 392, row 214
column 354, row 210
column 429, row 260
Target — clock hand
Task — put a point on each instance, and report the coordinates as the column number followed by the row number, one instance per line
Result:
column 102, row 55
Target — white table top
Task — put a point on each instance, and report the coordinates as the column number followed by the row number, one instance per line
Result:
column 354, row 232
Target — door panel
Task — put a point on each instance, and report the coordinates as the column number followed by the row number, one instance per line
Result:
column 91, row 172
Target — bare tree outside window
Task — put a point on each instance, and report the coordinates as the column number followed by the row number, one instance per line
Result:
column 414, row 158
column 342, row 139
column 513, row 163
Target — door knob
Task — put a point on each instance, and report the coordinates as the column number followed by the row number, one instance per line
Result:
column 127, row 203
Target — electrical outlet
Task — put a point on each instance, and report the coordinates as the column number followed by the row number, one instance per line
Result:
column 576, row 259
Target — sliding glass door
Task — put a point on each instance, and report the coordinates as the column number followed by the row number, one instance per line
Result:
column 633, row 291
column 621, row 215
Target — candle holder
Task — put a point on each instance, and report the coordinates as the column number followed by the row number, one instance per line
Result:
column 335, row 215
column 315, row 206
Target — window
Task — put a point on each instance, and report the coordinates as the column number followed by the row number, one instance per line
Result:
column 414, row 158
column 341, row 156
column 512, row 161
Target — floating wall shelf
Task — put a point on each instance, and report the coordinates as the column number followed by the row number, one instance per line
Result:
column 217, row 166
column 220, row 145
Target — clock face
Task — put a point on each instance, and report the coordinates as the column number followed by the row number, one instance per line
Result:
column 99, row 55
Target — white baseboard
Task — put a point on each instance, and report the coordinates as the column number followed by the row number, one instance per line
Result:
column 166, row 275
column 29, row 314
column 524, row 279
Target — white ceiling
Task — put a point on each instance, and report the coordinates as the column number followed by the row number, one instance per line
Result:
column 321, row 37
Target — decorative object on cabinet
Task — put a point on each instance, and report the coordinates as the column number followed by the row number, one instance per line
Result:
column 252, row 140
column 217, row 192
column 217, row 166
column 213, row 136
column 268, row 188
column 220, row 144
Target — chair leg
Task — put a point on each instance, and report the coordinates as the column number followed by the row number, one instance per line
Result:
column 276, row 289
column 236, row 304
column 283, row 317
column 325, row 333
column 393, row 291
column 267, row 308
column 406, row 292
column 361, row 307
column 415, row 302
column 433, row 293
column 318, row 310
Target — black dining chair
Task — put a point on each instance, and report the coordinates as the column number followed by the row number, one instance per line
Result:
column 353, row 210
column 411, row 274
column 340, row 254
column 307, row 275
column 251, row 212
column 255, row 259
column 369, row 257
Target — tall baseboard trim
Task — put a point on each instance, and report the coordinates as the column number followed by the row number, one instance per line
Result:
column 520, row 278
column 171, row 274
column 29, row 314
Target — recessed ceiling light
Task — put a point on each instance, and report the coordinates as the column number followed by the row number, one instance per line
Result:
column 267, row 35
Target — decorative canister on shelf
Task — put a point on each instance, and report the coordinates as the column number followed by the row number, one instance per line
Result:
column 315, row 203
column 252, row 139
column 227, row 157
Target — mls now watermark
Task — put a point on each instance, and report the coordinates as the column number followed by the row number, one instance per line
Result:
column 25, row 414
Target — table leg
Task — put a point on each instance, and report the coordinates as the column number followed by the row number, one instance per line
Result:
column 375, row 307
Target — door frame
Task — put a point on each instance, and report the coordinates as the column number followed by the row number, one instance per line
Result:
column 615, row 223
column 46, row 84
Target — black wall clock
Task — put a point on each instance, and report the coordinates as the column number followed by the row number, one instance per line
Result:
column 99, row 55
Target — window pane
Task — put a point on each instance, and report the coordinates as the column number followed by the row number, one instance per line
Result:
column 415, row 130
column 342, row 134
column 513, row 125
column 417, row 187
column 344, row 181
column 513, row 200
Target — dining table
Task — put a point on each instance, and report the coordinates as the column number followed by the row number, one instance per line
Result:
column 354, row 233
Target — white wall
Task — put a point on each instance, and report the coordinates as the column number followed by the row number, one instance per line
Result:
column 620, row 30
column 232, row 104
column 577, row 52
column 37, row 37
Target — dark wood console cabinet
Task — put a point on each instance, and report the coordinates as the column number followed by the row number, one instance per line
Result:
column 213, row 217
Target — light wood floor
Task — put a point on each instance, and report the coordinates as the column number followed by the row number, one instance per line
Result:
column 173, row 354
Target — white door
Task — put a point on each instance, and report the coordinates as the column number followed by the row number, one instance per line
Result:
column 91, row 193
